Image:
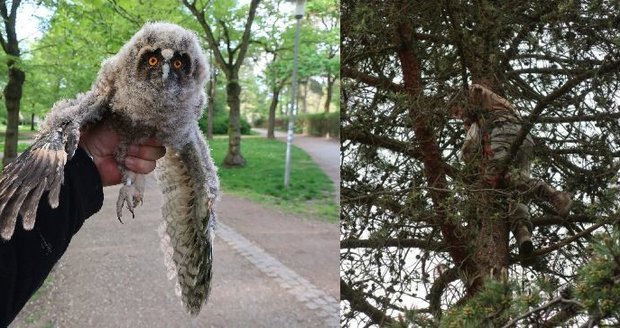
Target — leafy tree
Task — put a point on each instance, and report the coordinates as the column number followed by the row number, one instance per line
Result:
column 78, row 37
column 223, row 24
column 421, row 248
column 319, row 49
column 272, row 43
column 16, row 78
column 325, row 16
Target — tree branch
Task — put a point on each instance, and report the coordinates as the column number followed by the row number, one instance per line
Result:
column 434, row 295
column 213, row 44
column 541, row 105
column 564, row 242
column 579, row 118
column 358, row 303
column 245, row 39
column 377, row 82
column 405, row 148
column 392, row 242
column 545, row 306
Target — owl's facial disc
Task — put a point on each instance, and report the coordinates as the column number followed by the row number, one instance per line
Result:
column 165, row 65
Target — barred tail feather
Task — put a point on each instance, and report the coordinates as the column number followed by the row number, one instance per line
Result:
column 186, row 239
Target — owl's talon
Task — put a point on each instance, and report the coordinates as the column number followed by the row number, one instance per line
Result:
column 130, row 208
column 129, row 196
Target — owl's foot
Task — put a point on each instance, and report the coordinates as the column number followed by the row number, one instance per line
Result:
column 131, row 196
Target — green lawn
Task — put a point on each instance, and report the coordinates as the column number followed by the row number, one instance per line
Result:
column 24, row 134
column 310, row 194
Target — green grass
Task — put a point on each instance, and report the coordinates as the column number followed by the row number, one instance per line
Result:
column 37, row 314
column 23, row 134
column 21, row 146
column 311, row 192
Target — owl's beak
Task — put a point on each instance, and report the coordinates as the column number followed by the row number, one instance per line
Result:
column 165, row 69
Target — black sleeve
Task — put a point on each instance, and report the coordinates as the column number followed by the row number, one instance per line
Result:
column 27, row 259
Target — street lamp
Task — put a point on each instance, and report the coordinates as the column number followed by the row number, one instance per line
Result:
column 299, row 13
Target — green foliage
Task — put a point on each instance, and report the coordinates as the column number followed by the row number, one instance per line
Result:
column 598, row 287
column 311, row 192
column 404, row 64
column 79, row 36
column 488, row 306
column 321, row 124
column 220, row 124
column 220, row 121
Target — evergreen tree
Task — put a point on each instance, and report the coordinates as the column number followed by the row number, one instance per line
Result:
column 421, row 248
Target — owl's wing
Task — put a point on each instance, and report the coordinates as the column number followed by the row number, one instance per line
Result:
column 41, row 167
column 189, row 183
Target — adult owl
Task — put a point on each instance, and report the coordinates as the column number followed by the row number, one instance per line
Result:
column 152, row 88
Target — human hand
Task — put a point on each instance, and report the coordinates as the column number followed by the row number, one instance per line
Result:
column 101, row 143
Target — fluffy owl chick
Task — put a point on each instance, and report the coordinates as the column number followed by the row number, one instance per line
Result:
column 153, row 87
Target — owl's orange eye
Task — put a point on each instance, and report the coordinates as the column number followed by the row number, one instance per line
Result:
column 153, row 60
column 177, row 64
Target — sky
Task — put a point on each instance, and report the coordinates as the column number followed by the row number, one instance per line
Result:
column 28, row 21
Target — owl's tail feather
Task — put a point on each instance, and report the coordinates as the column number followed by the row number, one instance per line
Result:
column 186, row 237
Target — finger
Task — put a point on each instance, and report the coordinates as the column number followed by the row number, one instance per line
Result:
column 108, row 170
column 150, row 153
column 150, row 142
column 139, row 165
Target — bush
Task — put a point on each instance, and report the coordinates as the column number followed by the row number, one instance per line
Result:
column 321, row 124
column 260, row 122
column 220, row 124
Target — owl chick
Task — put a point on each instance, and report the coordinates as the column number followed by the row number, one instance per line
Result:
column 153, row 87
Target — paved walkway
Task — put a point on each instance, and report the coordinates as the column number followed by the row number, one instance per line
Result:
column 270, row 270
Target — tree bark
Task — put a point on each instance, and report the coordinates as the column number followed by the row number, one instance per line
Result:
column 302, row 93
column 271, row 121
column 16, row 78
column 12, row 98
column 330, row 90
column 431, row 158
column 234, row 157
column 230, row 65
column 210, row 104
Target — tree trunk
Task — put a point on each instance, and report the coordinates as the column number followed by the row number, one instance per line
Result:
column 330, row 90
column 12, row 96
column 210, row 105
column 490, row 232
column 32, row 122
column 234, row 157
column 271, row 121
column 301, row 97
column 491, row 247
column 434, row 170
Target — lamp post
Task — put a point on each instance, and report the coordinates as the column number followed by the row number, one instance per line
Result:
column 299, row 13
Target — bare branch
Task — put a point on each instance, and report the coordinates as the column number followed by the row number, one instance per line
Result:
column 372, row 81
column 393, row 242
column 541, row 105
column 358, row 303
column 567, row 241
column 434, row 295
column 579, row 118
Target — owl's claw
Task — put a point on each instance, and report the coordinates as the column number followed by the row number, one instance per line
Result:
column 131, row 196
